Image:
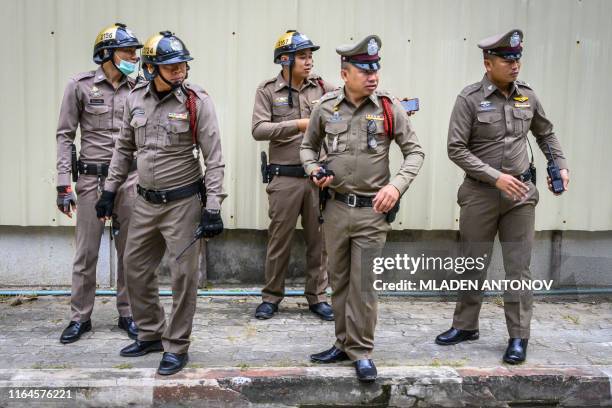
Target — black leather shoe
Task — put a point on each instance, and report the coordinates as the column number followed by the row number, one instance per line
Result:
column 140, row 348
column 172, row 363
column 266, row 310
column 333, row 355
column 366, row 370
column 74, row 330
column 323, row 310
column 455, row 336
column 127, row 324
column 516, row 353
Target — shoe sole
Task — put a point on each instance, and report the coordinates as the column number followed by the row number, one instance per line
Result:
column 367, row 379
column 173, row 371
column 263, row 316
column 76, row 338
column 339, row 360
column 513, row 362
column 142, row 353
column 472, row 338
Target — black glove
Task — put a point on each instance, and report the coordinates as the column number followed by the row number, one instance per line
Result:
column 104, row 206
column 210, row 225
column 66, row 201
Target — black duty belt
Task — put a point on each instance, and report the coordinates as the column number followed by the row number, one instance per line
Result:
column 354, row 200
column 289, row 170
column 162, row 197
column 525, row 177
column 93, row 169
column 100, row 169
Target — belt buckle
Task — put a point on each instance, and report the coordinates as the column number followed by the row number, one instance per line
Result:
column 352, row 200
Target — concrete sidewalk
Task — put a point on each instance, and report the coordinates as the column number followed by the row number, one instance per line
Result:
column 237, row 360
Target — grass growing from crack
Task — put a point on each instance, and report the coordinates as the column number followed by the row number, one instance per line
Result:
column 572, row 319
column 123, row 366
column 499, row 301
column 39, row 366
column 436, row 362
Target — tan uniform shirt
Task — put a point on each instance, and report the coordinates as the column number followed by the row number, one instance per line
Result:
column 92, row 102
column 159, row 131
column 359, row 168
column 488, row 132
column 275, row 121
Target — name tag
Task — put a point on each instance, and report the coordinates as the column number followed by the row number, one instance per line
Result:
column 375, row 117
column 94, row 101
column 522, row 105
column 177, row 116
column 282, row 101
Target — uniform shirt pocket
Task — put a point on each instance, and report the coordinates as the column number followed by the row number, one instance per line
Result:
column 487, row 118
column 522, row 120
column 336, row 137
column 489, row 125
column 138, row 124
column 179, row 133
column 375, row 141
column 96, row 117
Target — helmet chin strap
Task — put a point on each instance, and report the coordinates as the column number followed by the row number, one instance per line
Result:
column 289, row 63
column 173, row 85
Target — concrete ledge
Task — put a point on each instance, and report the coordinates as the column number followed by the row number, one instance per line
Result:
column 578, row 386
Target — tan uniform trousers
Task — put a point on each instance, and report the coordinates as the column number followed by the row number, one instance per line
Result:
column 354, row 236
column 155, row 227
column 89, row 232
column 485, row 211
column 290, row 197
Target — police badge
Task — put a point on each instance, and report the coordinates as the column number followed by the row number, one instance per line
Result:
column 515, row 40
column 176, row 45
column 94, row 92
column 372, row 47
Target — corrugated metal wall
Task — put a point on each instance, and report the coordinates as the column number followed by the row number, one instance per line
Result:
column 428, row 52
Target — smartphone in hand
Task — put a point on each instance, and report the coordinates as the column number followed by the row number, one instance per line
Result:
column 410, row 105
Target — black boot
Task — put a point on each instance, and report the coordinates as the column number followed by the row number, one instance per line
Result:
column 516, row 353
column 333, row 355
column 127, row 324
column 366, row 370
column 323, row 310
column 74, row 330
column 266, row 310
column 140, row 348
column 455, row 336
column 172, row 363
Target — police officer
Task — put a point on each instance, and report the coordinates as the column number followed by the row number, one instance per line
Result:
column 487, row 138
column 280, row 115
column 94, row 101
column 168, row 122
column 357, row 124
